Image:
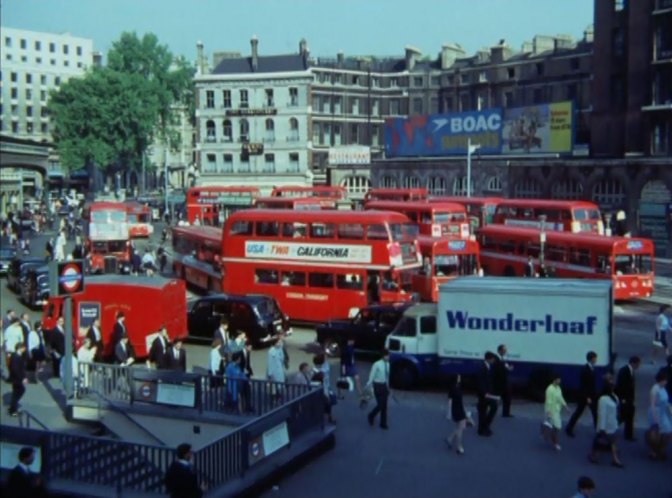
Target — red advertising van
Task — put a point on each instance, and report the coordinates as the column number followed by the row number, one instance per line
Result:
column 147, row 303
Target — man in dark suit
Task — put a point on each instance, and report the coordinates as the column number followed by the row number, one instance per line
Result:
column 625, row 390
column 57, row 343
column 95, row 335
column 119, row 330
column 22, row 482
column 24, row 322
column 487, row 400
column 500, row 380
column 123, row 353
column 181, row 480
column 587, row 393
column 17, row 376
column 177, row 357
column 158, row 352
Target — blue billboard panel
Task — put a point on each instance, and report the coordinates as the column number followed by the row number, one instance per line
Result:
column 444, row 134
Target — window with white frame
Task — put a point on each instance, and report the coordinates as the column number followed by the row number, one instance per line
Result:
column 411, row 182
column 244, row 166
column 494, row 184
column 209, row 99
column 210, row 132
column 226, row 99
column 609, row 192
column 269, row 163
column 244, row 126
column 270, row 131
column 437, row 185
column 388, row 181
column 460, row 186
column 244, row 102
column 227, row 130
column 293, row 162
column 528, row 188
column 210, row 163
column 356, row 184
column 293, row 130
column 228, row 163
column 269, row 98
column 293, row 97
column 567, row 189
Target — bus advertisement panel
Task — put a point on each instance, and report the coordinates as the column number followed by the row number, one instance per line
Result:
column 627, row 262
column 544, row 128
column 320, row 265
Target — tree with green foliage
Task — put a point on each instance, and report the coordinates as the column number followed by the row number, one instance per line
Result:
column 111, row 115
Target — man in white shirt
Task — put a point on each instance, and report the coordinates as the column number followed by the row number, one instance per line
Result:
column 13, row 336
column 380, row 380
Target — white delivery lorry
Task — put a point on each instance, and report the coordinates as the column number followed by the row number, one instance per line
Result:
column 547, row 325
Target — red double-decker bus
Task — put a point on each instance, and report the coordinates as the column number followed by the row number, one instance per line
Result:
column 301, row 203
column 443, row 260
column 320, row 265
column 139, row 220
column 396, row 194
column 211, row 205
column 435, row 219
column 197, row 256
column 316, row 191
column 480, row 210
column 628, row 262
column 107, row 237
column 558, row 215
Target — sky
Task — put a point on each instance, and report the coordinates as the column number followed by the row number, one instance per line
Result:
column 356, row 27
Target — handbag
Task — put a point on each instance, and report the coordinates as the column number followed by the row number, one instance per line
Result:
column 333, row 400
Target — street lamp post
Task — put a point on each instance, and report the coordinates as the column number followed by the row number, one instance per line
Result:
column 165, row 182
column 470, row 149
column 542, row 242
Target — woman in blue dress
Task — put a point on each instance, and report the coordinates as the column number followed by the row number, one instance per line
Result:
column 660, row 419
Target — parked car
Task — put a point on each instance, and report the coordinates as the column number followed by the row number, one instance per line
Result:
column 18, row 269
column 369, row 328
column 35, row 286
column 258, row 316
column 7, row 254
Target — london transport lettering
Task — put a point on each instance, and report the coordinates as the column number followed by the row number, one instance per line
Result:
column 308, row 252
column 462, row 320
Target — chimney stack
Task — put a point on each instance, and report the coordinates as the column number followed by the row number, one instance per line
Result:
column 254, row 42
column 200, row 60
column 340, row 57
column 303, row 47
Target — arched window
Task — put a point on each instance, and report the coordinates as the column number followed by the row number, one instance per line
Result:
column 210, row 135
column 437, row 185
column 270, row 131
column 460, row 186
column 356, row 184
column 609, row 192
column 567, row 189
column 293, row 130
column 411, row 182
column 228, row 130
column 494, row 184
column 528, row 188
column 244, row 130
column 388, row 182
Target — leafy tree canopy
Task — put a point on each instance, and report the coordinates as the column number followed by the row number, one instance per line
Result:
column 112, row 114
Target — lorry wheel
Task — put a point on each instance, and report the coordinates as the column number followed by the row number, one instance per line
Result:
column 404, row 376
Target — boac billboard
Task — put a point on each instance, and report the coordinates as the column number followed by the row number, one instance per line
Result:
column 547, row 128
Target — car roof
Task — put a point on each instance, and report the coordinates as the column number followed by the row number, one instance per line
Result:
column 389, row 306
column 28, row 259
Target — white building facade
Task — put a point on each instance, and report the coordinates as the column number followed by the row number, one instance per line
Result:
column 33, row 63
column 252, row 121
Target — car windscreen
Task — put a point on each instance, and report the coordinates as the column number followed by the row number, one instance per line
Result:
column 267, row 308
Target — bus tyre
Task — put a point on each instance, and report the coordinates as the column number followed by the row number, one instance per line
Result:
column 538, row 382
column 404, row 376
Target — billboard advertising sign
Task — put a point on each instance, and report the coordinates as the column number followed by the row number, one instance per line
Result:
column 546, row 128
column 444, row 134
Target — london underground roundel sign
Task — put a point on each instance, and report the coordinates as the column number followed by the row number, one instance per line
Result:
column 70, row 278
